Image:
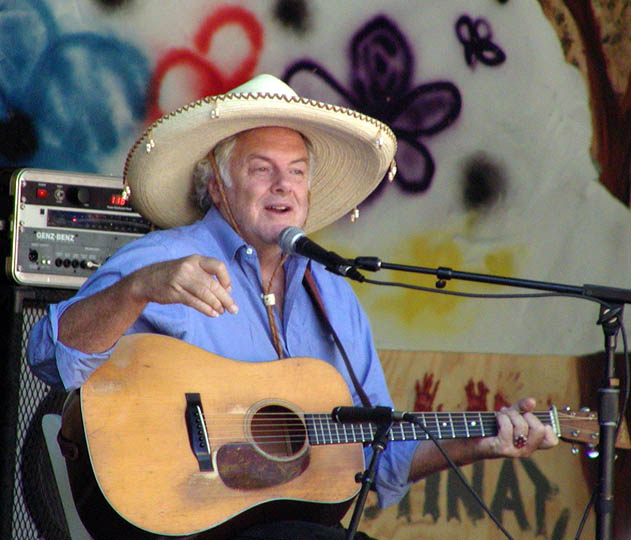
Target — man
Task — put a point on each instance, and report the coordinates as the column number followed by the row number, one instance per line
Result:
column 217, row 278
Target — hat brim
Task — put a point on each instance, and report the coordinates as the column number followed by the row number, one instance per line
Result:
column 352, row 153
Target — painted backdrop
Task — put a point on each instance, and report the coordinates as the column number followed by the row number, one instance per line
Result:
column 499, row 160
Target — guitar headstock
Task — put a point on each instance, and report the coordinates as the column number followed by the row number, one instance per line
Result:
column 582, row 427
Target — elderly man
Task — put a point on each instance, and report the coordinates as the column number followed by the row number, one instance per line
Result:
column 215, row 276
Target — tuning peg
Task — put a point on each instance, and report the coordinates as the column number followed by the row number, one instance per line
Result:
column 585, row 409
column 574, row 450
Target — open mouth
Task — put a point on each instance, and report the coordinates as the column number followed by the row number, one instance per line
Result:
column 278, row 208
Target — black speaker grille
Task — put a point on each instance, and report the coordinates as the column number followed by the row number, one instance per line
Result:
column 31, row 507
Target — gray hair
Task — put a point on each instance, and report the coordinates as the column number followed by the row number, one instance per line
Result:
column 203, row 172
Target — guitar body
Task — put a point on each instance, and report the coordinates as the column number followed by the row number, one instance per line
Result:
column 134, row 409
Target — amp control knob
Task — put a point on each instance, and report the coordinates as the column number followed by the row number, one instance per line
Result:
column 79, row 195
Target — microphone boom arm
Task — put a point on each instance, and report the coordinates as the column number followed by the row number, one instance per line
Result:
column 606, row 294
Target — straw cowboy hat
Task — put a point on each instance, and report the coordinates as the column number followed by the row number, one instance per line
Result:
column 352, row 151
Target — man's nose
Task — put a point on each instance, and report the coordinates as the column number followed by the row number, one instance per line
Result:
column 281, row 182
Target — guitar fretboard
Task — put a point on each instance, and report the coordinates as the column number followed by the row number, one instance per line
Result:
column 322, row 429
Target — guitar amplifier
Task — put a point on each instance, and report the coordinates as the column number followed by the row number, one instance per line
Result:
column 58, row 227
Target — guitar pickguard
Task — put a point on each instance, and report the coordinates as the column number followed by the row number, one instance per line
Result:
column 242, row 466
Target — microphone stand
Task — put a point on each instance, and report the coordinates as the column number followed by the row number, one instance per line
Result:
column 367, row 477
column 609, row 392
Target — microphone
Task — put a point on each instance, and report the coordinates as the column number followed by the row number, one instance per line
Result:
column 294, row 240
column 375, row 415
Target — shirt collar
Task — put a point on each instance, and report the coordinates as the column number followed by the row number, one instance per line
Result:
column 227, row 239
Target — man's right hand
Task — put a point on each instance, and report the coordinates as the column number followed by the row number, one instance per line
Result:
column 202, row 283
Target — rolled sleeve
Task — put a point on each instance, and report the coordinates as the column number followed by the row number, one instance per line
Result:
column 40, row 354
column 75, row 366
column 56, row 364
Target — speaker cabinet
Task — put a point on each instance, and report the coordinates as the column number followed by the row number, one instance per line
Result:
column 30, row 506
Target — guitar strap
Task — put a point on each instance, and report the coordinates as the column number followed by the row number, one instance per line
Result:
column 312, row 289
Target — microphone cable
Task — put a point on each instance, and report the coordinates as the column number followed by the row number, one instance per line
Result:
column 456, row 469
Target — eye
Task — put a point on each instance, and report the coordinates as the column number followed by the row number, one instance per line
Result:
column 260, row 169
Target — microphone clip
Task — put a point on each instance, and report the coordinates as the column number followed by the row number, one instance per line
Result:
column 348, row 271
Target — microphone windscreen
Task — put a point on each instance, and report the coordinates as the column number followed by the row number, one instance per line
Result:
column 287, row 238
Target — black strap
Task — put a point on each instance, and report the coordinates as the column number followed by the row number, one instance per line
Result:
column 312, row 289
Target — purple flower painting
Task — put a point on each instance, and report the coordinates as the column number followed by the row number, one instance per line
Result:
column 381, row 86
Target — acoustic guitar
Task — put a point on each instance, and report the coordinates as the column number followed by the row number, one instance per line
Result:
column 183, row 441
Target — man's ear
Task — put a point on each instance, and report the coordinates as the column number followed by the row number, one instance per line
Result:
column 213, row 191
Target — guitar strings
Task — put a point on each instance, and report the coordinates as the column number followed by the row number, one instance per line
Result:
column 276, row 427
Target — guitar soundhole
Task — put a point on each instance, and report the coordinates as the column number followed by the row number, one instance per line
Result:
column 278, row 431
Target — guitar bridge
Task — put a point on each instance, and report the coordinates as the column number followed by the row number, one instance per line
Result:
column 197, row 432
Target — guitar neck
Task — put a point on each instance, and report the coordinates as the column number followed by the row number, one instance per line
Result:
column 322, row 429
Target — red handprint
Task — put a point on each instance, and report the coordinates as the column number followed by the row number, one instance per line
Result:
column 426, row 393
column 476, row 398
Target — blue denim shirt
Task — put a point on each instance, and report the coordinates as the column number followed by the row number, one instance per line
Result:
column 245, row 336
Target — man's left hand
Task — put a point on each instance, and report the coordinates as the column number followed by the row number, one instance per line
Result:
column 520, row 432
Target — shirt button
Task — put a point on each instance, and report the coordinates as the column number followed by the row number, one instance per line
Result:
column 249, row 251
